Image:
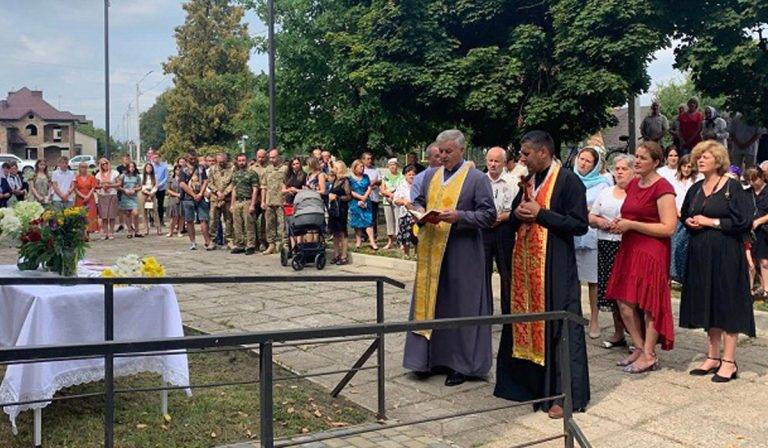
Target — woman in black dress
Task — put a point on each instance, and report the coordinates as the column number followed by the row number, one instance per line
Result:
column 757, row 181
column 338, row 207
column 716, row 293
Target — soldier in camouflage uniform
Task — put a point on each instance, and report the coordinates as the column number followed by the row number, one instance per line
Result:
column 259, row 165
column 220, row 187
column 245, row 198
column 272, row 202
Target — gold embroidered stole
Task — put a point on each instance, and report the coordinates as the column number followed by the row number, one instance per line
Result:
column 529, row 276
column 433, row 239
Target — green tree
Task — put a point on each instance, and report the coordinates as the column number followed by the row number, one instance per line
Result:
column 101, row 138
column 672, row 94
column 151, row 124
column 724, row 45
column 211, row 77
column 387, row 75
column 253, row 119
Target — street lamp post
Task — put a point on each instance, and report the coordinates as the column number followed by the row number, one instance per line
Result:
column 138, row 115
column 106, row 77
column 242, row 143
column 271, row 51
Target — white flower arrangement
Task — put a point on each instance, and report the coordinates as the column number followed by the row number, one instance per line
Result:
column 28, row 211
column 10, row 226
column 128, row 266
column 15, row 220
column 132, row 265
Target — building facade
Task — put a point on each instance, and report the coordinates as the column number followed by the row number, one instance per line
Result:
column 32, row 129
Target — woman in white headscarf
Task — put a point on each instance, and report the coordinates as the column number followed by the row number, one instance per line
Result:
column 714, row 127
column 588, row 168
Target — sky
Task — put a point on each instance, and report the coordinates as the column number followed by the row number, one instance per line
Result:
column 57, row 46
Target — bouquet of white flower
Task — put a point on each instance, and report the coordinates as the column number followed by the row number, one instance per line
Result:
column 27, row 212
column 10, row 226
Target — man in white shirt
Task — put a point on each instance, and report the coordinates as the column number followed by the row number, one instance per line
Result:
column 375, row 177
column 63, row 185
column 499, row 240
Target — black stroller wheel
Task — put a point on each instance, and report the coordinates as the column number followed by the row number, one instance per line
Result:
column 320, row 261
column 298, row 262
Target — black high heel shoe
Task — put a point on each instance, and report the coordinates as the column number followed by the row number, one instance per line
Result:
column 702, row 372
column 724, row 379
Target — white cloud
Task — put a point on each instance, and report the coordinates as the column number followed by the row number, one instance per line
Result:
column 127, row 12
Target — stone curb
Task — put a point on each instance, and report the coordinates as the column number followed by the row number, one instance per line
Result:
column 378, row 261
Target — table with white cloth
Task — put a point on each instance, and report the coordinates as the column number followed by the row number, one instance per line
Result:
column 58, row 315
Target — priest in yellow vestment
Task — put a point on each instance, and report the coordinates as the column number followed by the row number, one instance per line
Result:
column 450, row 272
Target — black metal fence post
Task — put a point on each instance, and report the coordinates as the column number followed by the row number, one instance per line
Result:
column 565, row 380
column 109, row 373
column 265, row 398
column 381, row 354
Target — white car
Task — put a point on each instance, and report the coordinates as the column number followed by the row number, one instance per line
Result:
column 74, row 162
column 26, row 167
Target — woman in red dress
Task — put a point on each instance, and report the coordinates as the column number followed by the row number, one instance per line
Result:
column 85, row 185
column 640, row 277
column 689, row 131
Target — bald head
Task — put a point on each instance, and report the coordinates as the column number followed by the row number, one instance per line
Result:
column 261, row 157
column 495, row 160
column 274, row 158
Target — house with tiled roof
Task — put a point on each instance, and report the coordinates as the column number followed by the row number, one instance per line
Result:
column 31, row 128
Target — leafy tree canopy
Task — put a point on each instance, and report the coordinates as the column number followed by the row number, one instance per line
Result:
column 211, row 77
column 724, row 46
column 672, row 94
column 151, row 124
column 388, row 75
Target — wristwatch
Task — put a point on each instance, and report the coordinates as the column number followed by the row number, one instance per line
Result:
column 716, row 223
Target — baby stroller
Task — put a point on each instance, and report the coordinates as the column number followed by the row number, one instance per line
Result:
column 308, row 218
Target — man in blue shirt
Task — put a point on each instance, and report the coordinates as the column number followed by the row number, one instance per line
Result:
column 433, row 160
column 161, row 177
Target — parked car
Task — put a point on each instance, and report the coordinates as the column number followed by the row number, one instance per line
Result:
column 26, row 167
column 74, row 162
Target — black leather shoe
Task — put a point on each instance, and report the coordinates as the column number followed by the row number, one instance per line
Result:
column 422, row 375
column 250, row 251
column 237, row 250
column 702, row 372
column 455, row 378
column 724, row 379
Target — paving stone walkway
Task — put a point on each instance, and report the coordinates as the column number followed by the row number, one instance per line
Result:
column 664, row 409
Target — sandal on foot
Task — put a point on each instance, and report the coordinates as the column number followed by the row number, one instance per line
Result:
column 703, row 372
column 632, row 369
column 724, row 379
column 626, row 361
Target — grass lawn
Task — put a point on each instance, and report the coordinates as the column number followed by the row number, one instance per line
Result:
column 211, row 417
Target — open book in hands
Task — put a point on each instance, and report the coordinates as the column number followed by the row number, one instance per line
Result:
column 421, row 216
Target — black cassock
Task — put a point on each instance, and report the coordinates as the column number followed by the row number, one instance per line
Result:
column 522, row 380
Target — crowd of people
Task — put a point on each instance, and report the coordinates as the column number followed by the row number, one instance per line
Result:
column 679, row 214
column 628, row 231
column 240, row 204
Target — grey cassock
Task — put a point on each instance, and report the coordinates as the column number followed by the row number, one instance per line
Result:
column 462, row 289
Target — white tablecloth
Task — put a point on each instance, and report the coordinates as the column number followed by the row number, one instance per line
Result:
column 52, row 315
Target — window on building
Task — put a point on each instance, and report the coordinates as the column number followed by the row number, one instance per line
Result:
column 57, row 134
column 31, row 129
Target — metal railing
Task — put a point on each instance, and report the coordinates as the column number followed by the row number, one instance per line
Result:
column 266, row 341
